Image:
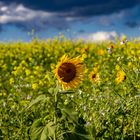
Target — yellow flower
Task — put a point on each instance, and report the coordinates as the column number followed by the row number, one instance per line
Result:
column 101, row 52
column 28, row 72
column 34, row 86
column 95, row 69
column 130, row 65
column 36, row 72
column 120, row 76
column 4, row 94
column 4, row 67
column 86, row 71
column 23, row 63
column 41, row 83
column 84, row 50
column 94, row 76
column 14, row 62
column 117, row 67
column 69, row 72
column 111, row 45
column 110, row 48
column 11, row 81
column 37, row 68
column 52, row 65
column 84, row 56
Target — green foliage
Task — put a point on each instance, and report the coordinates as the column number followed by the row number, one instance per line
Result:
column 33, row 105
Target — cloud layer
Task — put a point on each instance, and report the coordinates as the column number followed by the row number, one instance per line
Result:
column 76, row 8
column 40, row 15
column 26, row 18
column 100, row 36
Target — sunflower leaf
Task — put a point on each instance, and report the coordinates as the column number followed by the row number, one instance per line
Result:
column 35, row 101
column 66, row 92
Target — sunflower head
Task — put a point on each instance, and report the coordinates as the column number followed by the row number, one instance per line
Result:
column 94, row 76
column 69, row 72
column 120, row 76
column 101, row 52
column 110, row 48
column 111, row 45
column 84, row 50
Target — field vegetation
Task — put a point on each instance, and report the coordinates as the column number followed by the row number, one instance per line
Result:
column 61, row 89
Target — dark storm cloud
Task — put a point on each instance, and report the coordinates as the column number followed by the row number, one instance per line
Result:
column 77, row 8
column 132, row 24
column 39, row 25
column 32, row 14
column 27, row 19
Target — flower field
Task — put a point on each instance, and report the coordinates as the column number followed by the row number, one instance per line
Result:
column 62, row 89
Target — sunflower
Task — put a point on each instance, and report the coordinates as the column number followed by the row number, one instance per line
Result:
column 94, row 76
column 111, row 45
column 121, row 76
column 101, row 52
column 69, row 72
column 110, row 48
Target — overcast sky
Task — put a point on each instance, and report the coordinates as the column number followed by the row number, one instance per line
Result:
column 95, row 19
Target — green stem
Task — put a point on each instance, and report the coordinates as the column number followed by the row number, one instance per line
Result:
column 55, row 117
column 134, row 130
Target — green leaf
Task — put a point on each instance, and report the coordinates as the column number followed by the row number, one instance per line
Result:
column 44, row 134
column 66, row 92
column 70, row 114
column 92, row 130
column 40, row 132
column 48, row 131
column 36, row 130
column 51, row 129
column 35, row 101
